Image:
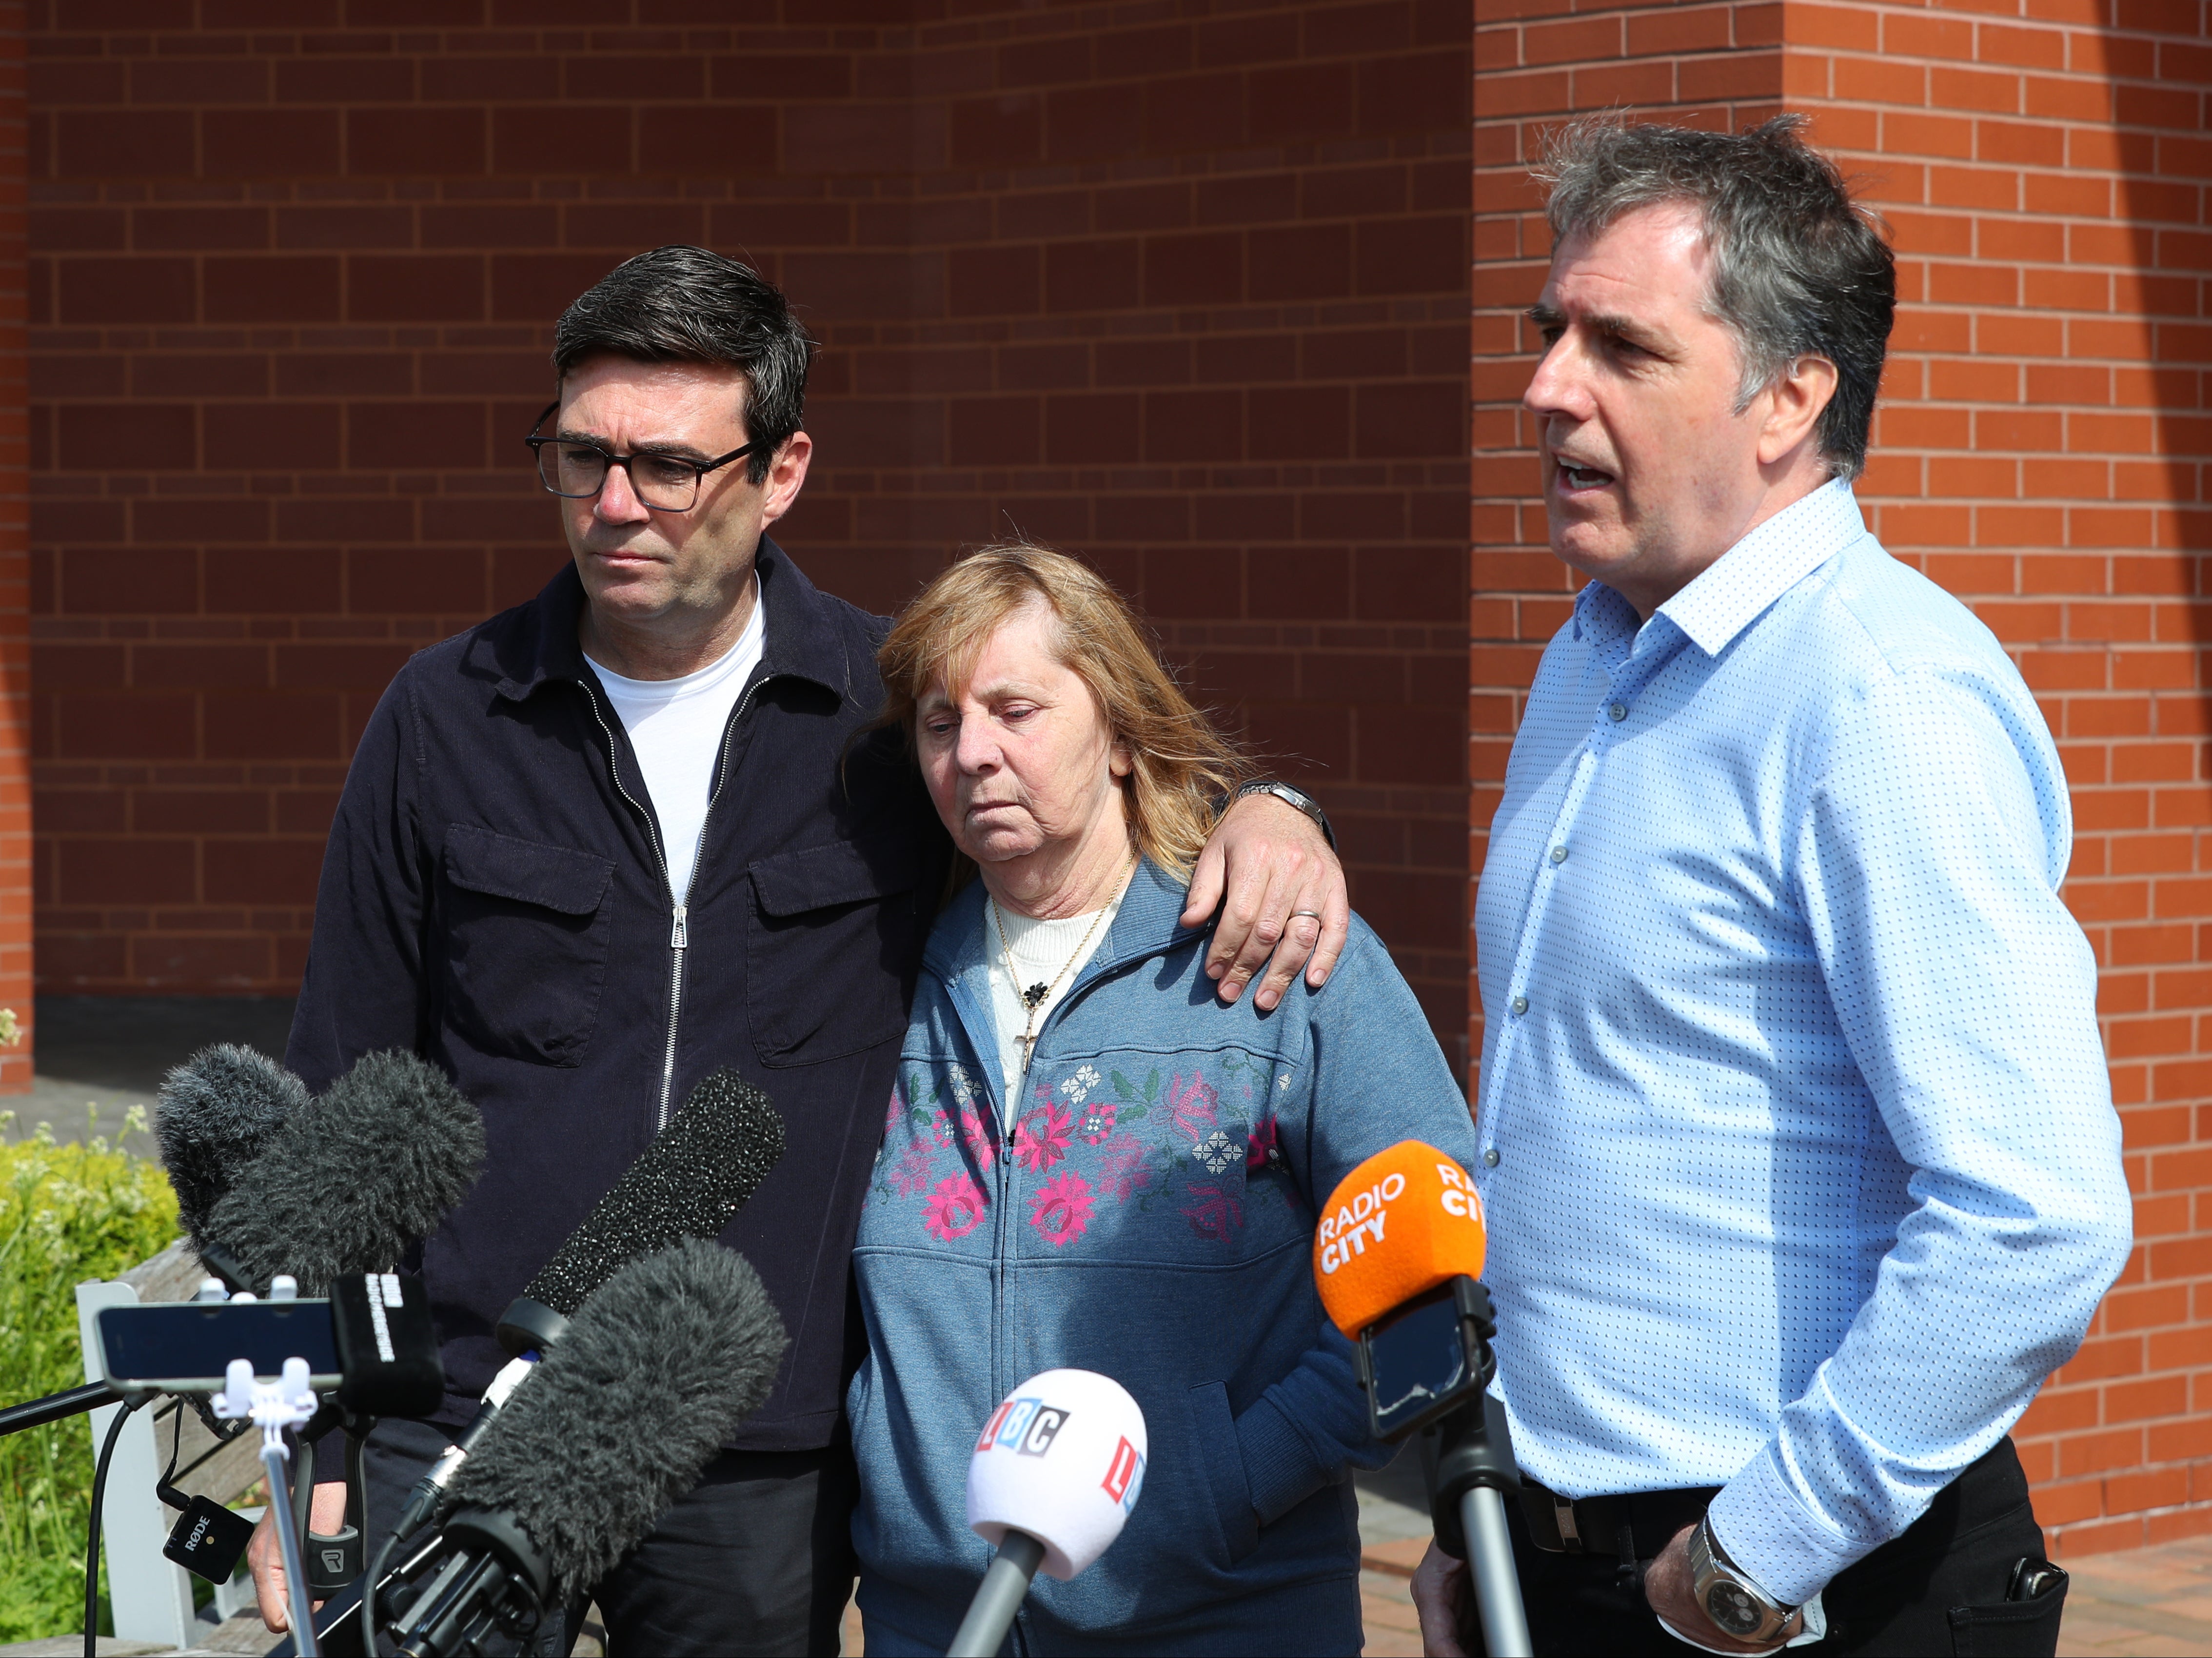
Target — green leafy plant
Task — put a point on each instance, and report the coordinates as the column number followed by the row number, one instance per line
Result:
column 68, row 1212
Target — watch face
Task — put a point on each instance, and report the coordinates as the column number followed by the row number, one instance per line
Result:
column 1733, row 1609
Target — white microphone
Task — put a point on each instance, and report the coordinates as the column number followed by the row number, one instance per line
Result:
column 1054, row 1475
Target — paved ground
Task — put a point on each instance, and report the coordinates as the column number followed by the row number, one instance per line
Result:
column 110, row 1053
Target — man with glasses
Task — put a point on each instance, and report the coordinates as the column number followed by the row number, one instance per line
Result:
column 642, row 829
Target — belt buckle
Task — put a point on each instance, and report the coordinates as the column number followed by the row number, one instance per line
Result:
column 1563, row 1515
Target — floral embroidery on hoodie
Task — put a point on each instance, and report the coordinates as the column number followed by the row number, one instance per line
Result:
column 1041, row 1138
column 956, row 1208
column 1061, row 1208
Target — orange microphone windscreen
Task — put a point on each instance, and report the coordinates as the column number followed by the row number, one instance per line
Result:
column 1402, row 1222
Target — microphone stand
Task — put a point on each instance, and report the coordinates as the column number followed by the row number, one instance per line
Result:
column 1473, row 1470
column 37, row 1413
column 1468, row 1458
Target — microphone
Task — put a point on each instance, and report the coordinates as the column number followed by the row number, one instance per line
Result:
column 213, row 1115
column 699, row 1171
column 657, row 1367
column 347, row 1184
column 1397, row 1259
column 1052, row 1482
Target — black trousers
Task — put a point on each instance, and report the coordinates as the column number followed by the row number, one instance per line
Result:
column 757, row 1559
column 1938, row 1588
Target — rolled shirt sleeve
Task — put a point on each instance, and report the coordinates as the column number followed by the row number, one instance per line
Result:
column 1929, row 856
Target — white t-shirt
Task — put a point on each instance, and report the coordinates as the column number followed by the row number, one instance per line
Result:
column 676, row 726
column 1041, row 952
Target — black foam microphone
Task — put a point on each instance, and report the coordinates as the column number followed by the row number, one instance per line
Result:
column 699, row 1171
column 349, row 1183
column 657, row 1367
column 214, row 1115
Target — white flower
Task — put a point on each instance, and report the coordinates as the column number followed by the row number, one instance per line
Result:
column 964, row 1086
column 1283, row 1081
column 1077, row 1088
column 1215, row 1152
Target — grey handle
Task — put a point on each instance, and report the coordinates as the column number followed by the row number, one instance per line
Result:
column 287, row 1540
column 990, row 1613
column 1497, row 1585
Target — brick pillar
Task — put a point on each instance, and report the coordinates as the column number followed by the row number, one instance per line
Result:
column 14, row 556
column 2038, row 452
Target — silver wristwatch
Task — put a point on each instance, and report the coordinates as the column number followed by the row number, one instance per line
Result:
column 1737, row 1606
column 1293, row 797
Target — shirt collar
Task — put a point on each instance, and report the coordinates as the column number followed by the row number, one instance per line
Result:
column 1732, row 591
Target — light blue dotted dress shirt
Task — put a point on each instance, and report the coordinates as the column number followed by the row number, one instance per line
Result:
column 1798, row 1149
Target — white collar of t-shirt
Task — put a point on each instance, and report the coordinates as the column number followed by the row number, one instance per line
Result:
column 675, row 728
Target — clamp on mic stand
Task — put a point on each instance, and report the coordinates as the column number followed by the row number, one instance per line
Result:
column 1428, row 1370
column 275, row 1408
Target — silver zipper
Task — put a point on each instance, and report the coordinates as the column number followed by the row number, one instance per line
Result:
column 680, row 908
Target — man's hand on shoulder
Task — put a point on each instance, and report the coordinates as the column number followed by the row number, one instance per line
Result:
column 1670, row 1592
column 1281, row 894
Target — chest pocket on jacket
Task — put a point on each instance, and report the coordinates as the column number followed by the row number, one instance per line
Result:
column 526, row 936
column 834, row 942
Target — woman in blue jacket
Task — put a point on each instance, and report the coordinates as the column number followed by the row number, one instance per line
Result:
column 1090, row 1162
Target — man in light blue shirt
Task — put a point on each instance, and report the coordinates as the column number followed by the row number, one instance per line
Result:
column 1797, row 1146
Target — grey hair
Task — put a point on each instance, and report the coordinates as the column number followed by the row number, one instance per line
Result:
column 1799, row 269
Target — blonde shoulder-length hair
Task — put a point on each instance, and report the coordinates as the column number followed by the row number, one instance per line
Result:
column 1182, row 771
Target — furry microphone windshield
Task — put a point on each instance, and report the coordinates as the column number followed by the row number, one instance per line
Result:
column 659, row 1366
column 213, row 1115
column 346, row 1184
column 702, row 1168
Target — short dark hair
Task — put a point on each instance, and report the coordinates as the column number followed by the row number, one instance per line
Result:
column 684, row 303
column 1799, row 269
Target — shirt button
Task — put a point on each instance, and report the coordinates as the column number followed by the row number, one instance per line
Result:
column 1617, row 711
column 1558, row 854
column 1520, row 1004
column 1490, row 1158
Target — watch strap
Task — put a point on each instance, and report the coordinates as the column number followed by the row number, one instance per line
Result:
column 1292, row 796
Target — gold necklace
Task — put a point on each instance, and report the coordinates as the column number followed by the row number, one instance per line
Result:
column 1035, row 995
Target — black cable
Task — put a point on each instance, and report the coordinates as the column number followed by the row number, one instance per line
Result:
column 369, row 1594
column 92, row 1528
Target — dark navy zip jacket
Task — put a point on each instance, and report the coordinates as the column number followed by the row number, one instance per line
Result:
column 495, row 898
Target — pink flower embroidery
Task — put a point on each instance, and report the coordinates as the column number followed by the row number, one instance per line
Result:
column 1216, row 1213
column 977, row 1138
column 940, row 1128
column 956, row 1208
column 1041, row 1138
column 1263, row 1148
column 1062, row 1208
column 1124, row 1170
column 1097, row 1122
column 895, row 1113
column 1191, row 1104
column 911, row 1172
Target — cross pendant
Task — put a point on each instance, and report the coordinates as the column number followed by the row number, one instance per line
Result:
column 1028, row 1046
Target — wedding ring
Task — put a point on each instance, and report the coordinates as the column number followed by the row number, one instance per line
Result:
column 1314, row 912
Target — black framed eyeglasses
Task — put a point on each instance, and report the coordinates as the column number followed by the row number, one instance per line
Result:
column 661, row 482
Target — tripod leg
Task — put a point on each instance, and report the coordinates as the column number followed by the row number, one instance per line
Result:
column 1489, row 1563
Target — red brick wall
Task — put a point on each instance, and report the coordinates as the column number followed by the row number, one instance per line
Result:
column 1183, row 290
column 2038, row 452
column 14, row 561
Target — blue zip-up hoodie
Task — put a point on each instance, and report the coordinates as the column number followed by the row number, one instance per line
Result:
column 1151, row 1218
